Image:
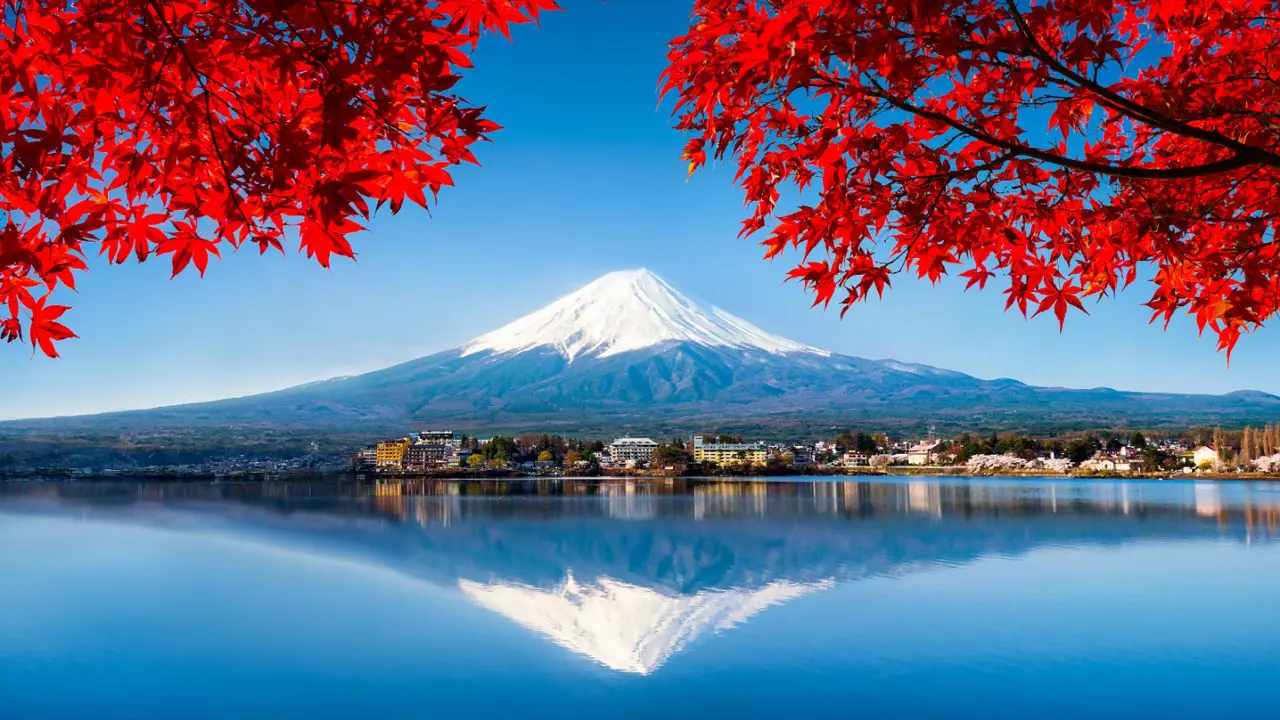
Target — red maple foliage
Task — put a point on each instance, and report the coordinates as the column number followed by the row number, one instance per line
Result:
column 1063, row 144
column 179, row 127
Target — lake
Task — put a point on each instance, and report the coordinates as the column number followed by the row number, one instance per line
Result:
column 926, row 597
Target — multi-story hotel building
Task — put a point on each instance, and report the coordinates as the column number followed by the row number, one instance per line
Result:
column 632, row 449
column 419, row 457
column 718, row 453
column 435, row 437
column 390, row 453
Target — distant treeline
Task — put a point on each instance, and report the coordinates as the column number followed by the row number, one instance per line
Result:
column 20, row 449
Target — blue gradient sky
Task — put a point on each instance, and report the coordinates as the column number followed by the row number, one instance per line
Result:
column 586, row 178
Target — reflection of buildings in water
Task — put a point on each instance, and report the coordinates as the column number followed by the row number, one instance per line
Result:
column 628, row 501
column 422, row 511
column 1208, row 499
column 925, row 497
column 436, row 511
column 665, row 579
column 849, row 496
column 1232, row 505
column 1262, row 522
column 388, row 498
column 835, row 498
column 730, row 498
column 627, row 627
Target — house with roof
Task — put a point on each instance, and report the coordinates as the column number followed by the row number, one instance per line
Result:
column 923, row 452
column 1204, row 455
column 853, row 458
column 1111, row 462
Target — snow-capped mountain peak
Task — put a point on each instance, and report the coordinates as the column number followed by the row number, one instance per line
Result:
column 625, row 311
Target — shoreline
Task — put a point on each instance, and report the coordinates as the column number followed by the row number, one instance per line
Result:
column 161, row 477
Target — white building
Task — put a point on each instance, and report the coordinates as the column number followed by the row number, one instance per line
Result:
column 853, row 459
column 457, row 457
column 1110, row 463
column 632, row 449
column 1205, row 454
column 922, row 452
column 437, row 437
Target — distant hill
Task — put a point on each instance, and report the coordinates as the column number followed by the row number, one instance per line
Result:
column 629, row 350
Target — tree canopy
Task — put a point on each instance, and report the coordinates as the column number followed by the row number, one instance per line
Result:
column 183, row 127
column 1061, row 144
column 670, row 453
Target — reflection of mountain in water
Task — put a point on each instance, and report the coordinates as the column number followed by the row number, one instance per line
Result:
column 628, row 573
column 622, row 626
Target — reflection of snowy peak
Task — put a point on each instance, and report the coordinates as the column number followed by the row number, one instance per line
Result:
column 627, row 627
column 625, row 311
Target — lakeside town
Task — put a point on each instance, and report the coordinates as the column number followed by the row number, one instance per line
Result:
column 1200, row 452
column 848, row 452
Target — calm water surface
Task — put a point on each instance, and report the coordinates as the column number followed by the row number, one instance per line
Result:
column 928, row 598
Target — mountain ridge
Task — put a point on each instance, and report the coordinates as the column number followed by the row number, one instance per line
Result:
column 628, row 350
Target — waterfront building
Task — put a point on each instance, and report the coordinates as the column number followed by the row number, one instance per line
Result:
column 390, row 453
column 1205, row 454
column 718, row 453
column 801, row 456
column 854, row 459
column 1110, row 462
column 420, row 457
column 436, row 437
column 922, row 453
column 364, row 459
column 629, row 449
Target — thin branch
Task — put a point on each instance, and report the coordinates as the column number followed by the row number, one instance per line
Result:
column 1125, row 105
column 1135, row 173
column 208, row 107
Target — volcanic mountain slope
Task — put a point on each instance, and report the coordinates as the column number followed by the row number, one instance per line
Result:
column 630, row 350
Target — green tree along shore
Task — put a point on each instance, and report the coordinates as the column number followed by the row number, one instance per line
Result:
column 221, row 449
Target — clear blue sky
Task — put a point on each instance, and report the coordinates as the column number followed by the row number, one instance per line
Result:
column 586, row 178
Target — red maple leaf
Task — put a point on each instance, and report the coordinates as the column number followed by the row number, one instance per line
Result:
column 1019, row 139
column 177, row 128
column 45, row 329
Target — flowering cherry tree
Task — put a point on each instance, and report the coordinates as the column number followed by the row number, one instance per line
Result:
column 1061, row 145
column 995, row 463
column 179, row 128
column 1267, row 463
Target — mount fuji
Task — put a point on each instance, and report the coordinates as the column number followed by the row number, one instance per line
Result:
column 630, row 351
column 628, row 311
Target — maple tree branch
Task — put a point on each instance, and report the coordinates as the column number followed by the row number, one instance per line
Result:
column 905, row 253
column 333, row 29
column 1134, row 173
column 324, row 64
column 952, row 174
column 149, row 106
column 1120, row 103
column 208, row 108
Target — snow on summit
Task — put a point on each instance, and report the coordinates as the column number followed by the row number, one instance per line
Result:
column 625, row 311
